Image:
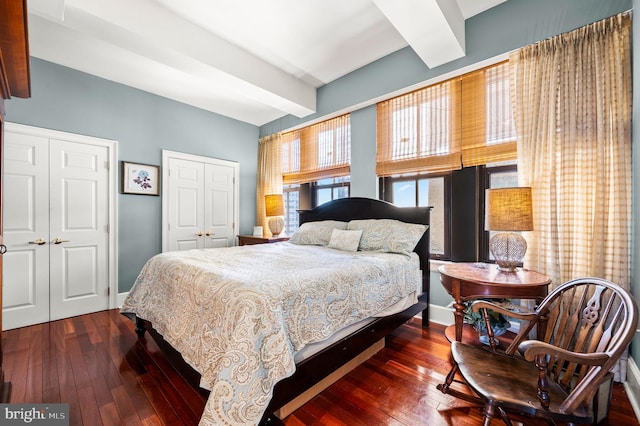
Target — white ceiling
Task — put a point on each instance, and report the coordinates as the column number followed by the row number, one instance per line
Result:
column 252, row 60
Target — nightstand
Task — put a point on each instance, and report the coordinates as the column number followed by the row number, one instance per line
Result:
column 247, row 240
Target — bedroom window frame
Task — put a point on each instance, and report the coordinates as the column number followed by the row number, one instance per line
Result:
column 338, row 183
column 386, row 185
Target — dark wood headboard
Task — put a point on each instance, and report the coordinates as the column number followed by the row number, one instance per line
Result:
column 346, row 209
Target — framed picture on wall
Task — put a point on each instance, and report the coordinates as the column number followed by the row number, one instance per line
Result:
column 141, row 179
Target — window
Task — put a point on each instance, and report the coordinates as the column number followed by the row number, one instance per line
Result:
column 423, row 191
column 315, row 166
column 330, row 189
column 433, row 146
column 291, row 199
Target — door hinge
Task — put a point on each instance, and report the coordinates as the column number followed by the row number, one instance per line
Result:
column 108, row 291
column 107, row 165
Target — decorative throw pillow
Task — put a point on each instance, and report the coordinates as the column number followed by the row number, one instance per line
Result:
column 345, row 240
column 388, row 235
column 316, row 233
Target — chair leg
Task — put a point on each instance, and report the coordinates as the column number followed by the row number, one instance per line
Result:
column 488, row 414
column 444, row 387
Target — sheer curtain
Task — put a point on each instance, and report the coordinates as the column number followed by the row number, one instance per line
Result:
column 269, row 180
column 571, row 99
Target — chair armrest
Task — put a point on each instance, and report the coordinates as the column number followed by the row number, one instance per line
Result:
column 531, row 348
column 485, row 304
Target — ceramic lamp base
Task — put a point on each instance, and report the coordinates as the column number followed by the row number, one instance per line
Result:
column 276, row 225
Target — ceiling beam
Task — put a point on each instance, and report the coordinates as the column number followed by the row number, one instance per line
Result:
column 153, row 32
column 433, row 28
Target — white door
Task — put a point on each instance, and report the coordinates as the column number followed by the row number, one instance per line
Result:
column 56, row 219
column 25, row 295
column 186, row 209
column 218, row 221
column 200, row 199
column 78, row 229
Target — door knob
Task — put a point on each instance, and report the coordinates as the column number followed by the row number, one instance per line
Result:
column 58, row 240
column 3, row 249
column 39, row 242
column 199, row 233
column 209, row 233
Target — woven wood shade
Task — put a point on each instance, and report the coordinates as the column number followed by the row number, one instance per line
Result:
column 464, row 121
column 317, row 151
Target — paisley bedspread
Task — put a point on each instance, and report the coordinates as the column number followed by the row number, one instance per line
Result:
column 239, row 314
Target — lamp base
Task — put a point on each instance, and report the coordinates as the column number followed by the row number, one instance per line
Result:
column 508, row 250
column 276, row 225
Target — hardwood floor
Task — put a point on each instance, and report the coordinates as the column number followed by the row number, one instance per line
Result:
column 97, row 365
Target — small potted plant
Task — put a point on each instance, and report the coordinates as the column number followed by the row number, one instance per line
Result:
column 499, row 323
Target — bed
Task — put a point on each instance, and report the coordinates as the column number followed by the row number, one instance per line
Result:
column 277, row 353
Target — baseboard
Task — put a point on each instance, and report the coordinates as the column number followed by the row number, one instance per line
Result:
column 121, row 297
column 632, row 386
column 440, row 315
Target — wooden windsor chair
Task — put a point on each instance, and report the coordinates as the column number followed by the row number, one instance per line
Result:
column 584, row 326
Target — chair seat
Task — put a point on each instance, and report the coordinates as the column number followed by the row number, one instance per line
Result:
column 511, row 382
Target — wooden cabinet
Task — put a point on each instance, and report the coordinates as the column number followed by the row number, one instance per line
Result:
column 14, row 81
column 247, row 240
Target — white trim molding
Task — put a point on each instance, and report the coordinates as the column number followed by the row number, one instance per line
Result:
column 442, row 315
column 121, row 297
column 632, row 386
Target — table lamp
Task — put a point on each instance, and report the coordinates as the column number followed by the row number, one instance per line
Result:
column 274, row 208
column 508, row 209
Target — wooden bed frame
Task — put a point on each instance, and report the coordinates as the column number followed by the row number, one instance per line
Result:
column 314, row 369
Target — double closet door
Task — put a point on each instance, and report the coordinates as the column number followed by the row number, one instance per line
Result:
column 200, row 199
column 56, row 223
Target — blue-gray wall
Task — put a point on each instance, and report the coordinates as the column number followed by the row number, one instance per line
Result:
column 143, row 124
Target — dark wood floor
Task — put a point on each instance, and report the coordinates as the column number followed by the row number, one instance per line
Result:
column 97, row 364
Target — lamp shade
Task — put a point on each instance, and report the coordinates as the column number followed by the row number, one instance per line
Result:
column 508, row 209
column 273, row 205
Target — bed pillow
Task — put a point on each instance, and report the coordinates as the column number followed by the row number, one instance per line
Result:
column 345, row 240
column 316, row 233
column 388, row 235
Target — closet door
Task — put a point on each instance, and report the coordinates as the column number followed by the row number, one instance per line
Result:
column 78, row 229
column 218, row 206
column 26, row 230
column 186, row 206
column 199, row 202
column 57, row 212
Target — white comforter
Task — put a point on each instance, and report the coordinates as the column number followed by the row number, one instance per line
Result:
column 238, row 314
